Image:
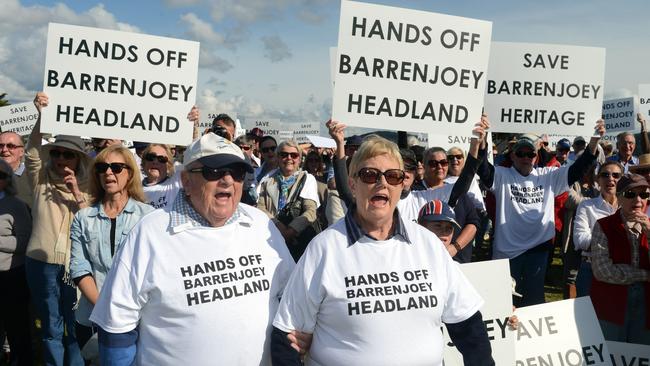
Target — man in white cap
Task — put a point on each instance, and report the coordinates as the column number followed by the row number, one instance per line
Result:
column 208, row 271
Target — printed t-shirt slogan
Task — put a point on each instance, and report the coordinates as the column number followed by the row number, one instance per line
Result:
column 420, row 71
column 112, row 84
column 543, row 88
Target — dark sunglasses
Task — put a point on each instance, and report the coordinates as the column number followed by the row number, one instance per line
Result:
column 268, row 149
column 608, row 174
column 284, row 154
column 151, row 157
column 10, row 146
column 529, row 154
column 116, row 168
column 4, row 175
column 457, row 157
column 68, row 155
column 434, row 163
column 211, row 174
column 632, row 195
column 372, row 176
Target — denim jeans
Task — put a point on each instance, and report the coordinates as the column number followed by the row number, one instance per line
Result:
column 583, row 282
column 54, row 301
column 633, row 329
column 529, row 269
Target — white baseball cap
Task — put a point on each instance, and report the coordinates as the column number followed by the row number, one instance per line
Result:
column 215, row 152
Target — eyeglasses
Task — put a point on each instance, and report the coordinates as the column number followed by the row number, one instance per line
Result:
column 457, row 157
column 67, row 155
column 632, row 195
column 3, row 175
column 151, row 157
column 434, row 163
column 372, row 176
column 284, row 155
column 608, row 174
column 116, row 168
column 268, row 149
column 10, row 146
column 211, row 174
column 522, row 154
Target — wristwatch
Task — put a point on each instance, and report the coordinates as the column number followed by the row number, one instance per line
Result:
column 458, row 248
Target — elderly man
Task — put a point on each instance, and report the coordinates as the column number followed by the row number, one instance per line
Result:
column 12, row 151
column 620, row 260
column 209, row 271
column 625, row 144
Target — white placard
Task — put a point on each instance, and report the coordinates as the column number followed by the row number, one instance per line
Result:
column 112, row 84
column 541, row 88
column 333, row 51
column 644, row 101
column 285, row 135
column 560, row 333
column 18, row 118
column 301, row 130
column 324, row 142
column 402, row 69
column 492, row 280
column 270, row 126
column 619, row 115
column 628, row 354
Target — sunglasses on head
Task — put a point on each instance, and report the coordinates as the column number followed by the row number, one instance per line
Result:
column 116, row 168
column 456, row 156
column 268, row 149
column 372, row 176
column 632, row 195
column 608, row 174
column 4, row 175
column 211, row 174
column 68, row 155
column 10, row 146
column 527, row 154
column 152, row 157
column 284, row 154
column 434, row 163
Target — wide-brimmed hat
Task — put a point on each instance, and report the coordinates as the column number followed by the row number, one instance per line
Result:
column 74, row 143
column 215, row 152
column 630, row 181
column 644, row 163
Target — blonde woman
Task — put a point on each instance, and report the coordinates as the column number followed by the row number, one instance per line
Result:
column 161, row 183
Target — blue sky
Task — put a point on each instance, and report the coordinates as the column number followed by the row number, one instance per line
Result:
column 271, row 57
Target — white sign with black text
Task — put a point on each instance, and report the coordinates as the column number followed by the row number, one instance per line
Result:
column 619, row 115
column 629, row 354
column 644, row 100
column 18, row 118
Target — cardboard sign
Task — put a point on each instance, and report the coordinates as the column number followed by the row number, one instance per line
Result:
column 111, row 84
column 18, row 118
column 628, row 354
column 540, row 88
column 560, row 333
column 285, row 135
column 301, row 130
column 496, row 290
column 644, row 101
column 270, row 126
column 619, row 115
column 206, row 122
column 324, row 142
column 401, row 69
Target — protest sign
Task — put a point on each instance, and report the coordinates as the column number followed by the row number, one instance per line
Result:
column 409, row 70
column 206, row 121
column 18, row 118
column 628, row 354
column 540, row 88
column 324, row 142
column 270, row 126
column 619, row 115
column 496, row 291
column 112, row 84
column 644, row 100
column 285, row 135
column 333, row 55
column 301, row 130
column 449, row 141
column 560, row 333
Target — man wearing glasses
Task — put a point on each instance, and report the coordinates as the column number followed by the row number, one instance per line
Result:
column 12, row 151
column 208, row 271
column 524, row 226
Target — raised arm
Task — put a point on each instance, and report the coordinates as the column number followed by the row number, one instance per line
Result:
column 340, row 170
column 194, row 117
column 472, row 163
column 477, row 151
column 645, row 140
column 578, row 169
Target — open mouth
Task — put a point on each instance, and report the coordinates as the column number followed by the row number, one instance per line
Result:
column 379, row 199
column 223, row 195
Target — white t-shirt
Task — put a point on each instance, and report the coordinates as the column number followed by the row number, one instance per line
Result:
column 162, row 195
column 409, row 206
column 200, row 295
column 474, row 193
column 525, row 216
column 347, row 296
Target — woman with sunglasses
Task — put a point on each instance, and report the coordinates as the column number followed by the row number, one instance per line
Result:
column 588, row 213
column 161, row 182
column 97, row 231
column 268, row 145
column 289, row 190
column 59, row 176
column 373, row 270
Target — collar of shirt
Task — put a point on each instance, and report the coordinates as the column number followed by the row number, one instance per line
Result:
column 183, row 216
column 355, row 232
column 20, row 170
column 98, row 209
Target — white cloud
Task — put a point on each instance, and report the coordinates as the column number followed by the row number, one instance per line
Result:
column 275, row 49
column 181, row 3
column 208, row 60
column 201, row 30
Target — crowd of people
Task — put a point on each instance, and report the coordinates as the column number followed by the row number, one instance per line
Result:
column 271, row 250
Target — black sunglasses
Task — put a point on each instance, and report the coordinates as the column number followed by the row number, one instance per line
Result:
column 268, row 149
column 284, row 154
column 68, row 155
column 608, row 174
column 632, row 195
column 434, row 163
column 529, row 154
column 457, row 157
column 10, row 146
column 211, row 174
column 116, row 168
column 151, row 157
column 372, row 175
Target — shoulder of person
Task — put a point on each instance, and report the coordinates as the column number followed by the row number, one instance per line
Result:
column 257, row 215
column 143, row 208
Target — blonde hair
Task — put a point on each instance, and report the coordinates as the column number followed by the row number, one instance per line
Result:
column 168, row 152
column 290, row 143
column 133, row 186
column 372, row 146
